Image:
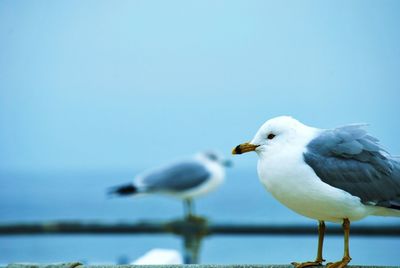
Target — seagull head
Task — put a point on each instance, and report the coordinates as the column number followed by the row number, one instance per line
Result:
column 274, row 135
column 214, row 157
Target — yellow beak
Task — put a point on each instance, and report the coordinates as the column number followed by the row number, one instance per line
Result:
column 244, row 148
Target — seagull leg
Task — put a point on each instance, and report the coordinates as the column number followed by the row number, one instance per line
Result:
column 346, row 257
column 321, row 234
column 188, row 208
column 318, row 261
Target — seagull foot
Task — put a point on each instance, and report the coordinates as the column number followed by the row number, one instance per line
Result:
column 340, row 264
column 307, row 264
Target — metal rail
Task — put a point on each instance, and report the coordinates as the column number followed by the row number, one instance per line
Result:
column 180, row 226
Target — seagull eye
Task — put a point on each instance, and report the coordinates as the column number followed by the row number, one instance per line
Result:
column 271, row 136
column 212, row 157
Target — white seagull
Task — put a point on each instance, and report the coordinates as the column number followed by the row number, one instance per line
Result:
column 337, row 175
column 186, row 179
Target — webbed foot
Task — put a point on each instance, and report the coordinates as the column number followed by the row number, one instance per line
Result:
column 339, row 264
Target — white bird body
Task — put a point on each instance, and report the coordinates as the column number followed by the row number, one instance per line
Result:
column 216, row 179
column 282, row 171
column 298, row 187
column 186, row 179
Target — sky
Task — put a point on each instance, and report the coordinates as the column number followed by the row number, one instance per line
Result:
column 131, row 84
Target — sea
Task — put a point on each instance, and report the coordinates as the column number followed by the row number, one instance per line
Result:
column 72, row 195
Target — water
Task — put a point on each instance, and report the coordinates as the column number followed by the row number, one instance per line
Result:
column 68, row 195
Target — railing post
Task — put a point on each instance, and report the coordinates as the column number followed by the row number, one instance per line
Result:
column 192, row 229
column 191, row 243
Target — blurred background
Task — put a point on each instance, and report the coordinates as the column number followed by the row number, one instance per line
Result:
column 92, row 92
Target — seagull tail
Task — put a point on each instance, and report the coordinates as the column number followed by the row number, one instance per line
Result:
column 127, row 189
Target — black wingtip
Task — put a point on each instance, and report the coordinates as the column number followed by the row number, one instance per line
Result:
column 123, row 190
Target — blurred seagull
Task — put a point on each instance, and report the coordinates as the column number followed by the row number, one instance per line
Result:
column 185, row 179
column 338, row 175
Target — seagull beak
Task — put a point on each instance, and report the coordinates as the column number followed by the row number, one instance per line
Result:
column 244, row 148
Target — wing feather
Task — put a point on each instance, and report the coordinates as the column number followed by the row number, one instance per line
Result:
column 175, row 177
column 350, row 159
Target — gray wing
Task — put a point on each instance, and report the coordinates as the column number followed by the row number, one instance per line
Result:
column 350, row 159
column 176, row 177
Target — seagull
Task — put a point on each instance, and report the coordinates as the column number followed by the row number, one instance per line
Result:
column 185, row 179
column 338, row 175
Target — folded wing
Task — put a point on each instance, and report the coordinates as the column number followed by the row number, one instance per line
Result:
column 350, row 159
column 180, row 176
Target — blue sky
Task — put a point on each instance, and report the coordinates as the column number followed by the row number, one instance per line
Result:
column 127, row 84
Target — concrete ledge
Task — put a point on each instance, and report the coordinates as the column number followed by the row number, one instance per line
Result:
column 78, row 265
column 36, row 265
